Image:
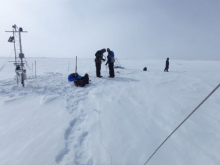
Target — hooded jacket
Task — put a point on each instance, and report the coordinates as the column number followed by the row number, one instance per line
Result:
column 99, row 56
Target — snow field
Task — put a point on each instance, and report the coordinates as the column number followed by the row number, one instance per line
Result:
column 50, row 121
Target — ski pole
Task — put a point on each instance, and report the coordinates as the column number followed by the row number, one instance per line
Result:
column 118, row 62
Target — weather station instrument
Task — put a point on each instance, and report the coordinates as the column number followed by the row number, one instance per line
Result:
column 19, row 55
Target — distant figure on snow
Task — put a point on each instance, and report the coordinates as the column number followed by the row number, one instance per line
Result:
column 98, row 61
column 145, row 69
column 110, row 62
column 167, row 65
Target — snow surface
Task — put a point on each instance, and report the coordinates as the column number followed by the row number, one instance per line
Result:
column 118, row 121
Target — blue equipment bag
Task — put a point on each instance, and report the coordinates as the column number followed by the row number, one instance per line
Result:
column 74, row 77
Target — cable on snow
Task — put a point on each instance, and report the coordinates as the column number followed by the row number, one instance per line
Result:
column 100, row 124
column 182, row 123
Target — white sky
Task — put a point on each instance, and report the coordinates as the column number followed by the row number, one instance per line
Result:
column 131, row 28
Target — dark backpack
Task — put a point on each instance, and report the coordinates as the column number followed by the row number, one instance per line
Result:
column 83, row 81
column 145, row 69
column 85, row 78
column 79, row 83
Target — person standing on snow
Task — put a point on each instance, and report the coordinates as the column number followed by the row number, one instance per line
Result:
column 98, row 61
column 167, row 65
column 110, row 62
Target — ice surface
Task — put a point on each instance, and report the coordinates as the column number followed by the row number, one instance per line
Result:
column 50, row 121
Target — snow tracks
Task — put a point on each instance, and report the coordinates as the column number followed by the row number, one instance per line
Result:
column 50, row 87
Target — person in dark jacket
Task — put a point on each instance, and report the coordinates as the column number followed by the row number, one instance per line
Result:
column 110, row 62
column 98, row 61
column 167, row 65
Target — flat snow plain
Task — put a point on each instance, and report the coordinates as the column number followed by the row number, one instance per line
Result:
column 118, row 121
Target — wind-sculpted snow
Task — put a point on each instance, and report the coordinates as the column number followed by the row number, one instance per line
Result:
column 50, row 121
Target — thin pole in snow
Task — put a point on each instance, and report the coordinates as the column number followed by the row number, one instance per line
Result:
column 17, row 79
column 118, row 62
column 76, row 65
column 35, row 69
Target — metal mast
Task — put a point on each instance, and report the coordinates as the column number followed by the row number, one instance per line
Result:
column 16, row 39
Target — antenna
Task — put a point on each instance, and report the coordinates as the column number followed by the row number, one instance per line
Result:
column 76, row 65
column 76, row 68
column 19, row 56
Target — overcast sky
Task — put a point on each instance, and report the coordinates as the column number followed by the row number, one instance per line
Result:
column 178, row 29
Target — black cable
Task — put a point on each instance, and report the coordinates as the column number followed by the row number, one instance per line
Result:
column 182, row 123
column 100, row 124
